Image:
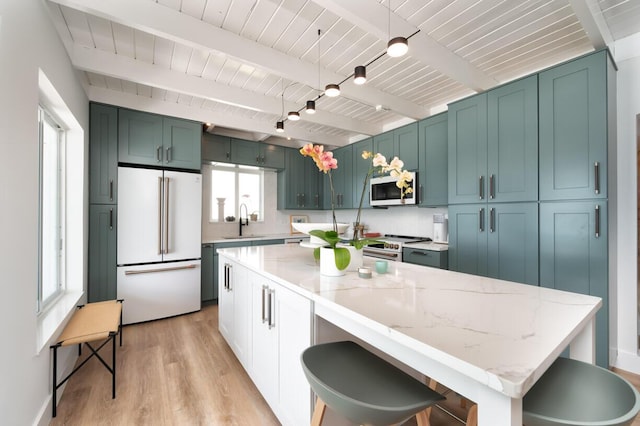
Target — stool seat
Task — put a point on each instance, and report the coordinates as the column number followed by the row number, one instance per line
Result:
column 363, row 387
column 576, row 393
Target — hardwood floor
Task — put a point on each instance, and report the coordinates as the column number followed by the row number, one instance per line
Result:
column 180, row 371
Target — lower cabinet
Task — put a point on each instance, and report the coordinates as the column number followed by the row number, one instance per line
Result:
column 102, row 252
column 574, row 257
column 268, row 327
column 433, row 258
column 498, row 240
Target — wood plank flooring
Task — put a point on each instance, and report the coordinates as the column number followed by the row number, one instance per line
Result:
column 180, row 371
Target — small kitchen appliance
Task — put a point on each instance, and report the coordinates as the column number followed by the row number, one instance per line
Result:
column 440, row 231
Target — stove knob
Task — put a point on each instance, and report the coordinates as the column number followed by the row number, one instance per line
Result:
column 396, row 246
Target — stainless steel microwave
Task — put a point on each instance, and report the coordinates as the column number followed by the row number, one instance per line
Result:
column 384, row 192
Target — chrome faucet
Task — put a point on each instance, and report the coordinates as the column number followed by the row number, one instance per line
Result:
column 246, row 217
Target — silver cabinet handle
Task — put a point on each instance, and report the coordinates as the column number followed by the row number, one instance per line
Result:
column 303, row 198
column 492, row 190
column 166, row 216
column 272, row 307
column 596, row 169
column 152, row 271
column 159, row 153
column 160, row 214
column 317, row 198
column 111, row 190
column 492, row 219
column 264, row 314
column 421, row 194
column 597, row 221
column 481, row 187
column 110, row 218
column 481, row 220
column 419, row 252
column 227, row 278
column 168, row 150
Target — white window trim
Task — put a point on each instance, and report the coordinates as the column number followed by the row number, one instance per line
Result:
column 237, row 169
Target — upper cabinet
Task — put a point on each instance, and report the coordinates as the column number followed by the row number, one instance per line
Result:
column 103, row 154
column 342, row 178
column 361, row 167
column 216, row 148
column 402, row 143
column 432, row 161
column 574, row 128
column 493, row 145
column 257, row 154
column 299, row 183
column 149, row 139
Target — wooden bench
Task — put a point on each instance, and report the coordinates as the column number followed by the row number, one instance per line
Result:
column 90, row 323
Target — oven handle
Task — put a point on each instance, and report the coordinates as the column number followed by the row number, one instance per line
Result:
column 381, row 255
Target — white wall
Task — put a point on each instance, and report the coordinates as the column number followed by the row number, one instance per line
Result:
column 28, row 42
column 628, row 103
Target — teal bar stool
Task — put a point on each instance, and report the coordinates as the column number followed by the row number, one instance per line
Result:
column 572, row 393
column 362, row 387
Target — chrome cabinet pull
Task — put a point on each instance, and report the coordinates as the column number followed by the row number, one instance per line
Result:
column 159, row 154
column 597, row 221
column 492, row 192
column 264, row 314
column 111, row 190
column 166, row 216
column 596, row 169
column 272, row 307
column 110, row 218
column 168, row 150
column 481, row 219
column 492, row 219
column 481, row 187
column 303, row 198
column 160, row 214
column 421, row 193
column 317, row 198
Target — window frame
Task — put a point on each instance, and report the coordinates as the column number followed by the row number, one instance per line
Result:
column 237, row 169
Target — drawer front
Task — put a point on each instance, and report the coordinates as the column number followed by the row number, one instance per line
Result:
column 423, row 257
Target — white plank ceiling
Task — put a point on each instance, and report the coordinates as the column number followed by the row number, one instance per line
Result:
column 241, row 65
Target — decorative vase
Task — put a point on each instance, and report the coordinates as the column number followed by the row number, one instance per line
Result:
column 328, row 261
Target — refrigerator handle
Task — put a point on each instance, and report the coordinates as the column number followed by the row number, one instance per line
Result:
column 160, row 214
column 166, row 215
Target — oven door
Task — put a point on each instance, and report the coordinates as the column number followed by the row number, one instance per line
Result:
column 393, row 256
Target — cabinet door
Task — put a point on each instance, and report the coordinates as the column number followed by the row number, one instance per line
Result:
column 271, row 156
column 573, row 129
column 435, row 259
column 384, row 144
column 206, row 278
column 264, row 337
column 312, row 186
column 102, row 252
column 468, row 238
column 360, row 169
column 290, row 185
column 467, row 122
column 573, row 257
column 512, row 112
column 182, row 143
column 405, row 146
column 216, row 148
column 103, row 154
column 432, row 168
column 140, row 138
column 513, row 242
column 342, row 180
column 244, row 152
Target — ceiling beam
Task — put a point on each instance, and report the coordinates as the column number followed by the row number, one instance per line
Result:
column 173, row 109
column 373, row 17
column 125, row 68
column 161, row 21
column 594, row 24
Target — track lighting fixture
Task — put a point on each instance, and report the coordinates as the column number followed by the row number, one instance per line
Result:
column 332, row 90
column 293, row 116
column 360, row 75
column 280, row 126
column 397, row 46
column 311, row 107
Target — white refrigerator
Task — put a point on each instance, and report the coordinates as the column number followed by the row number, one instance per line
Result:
column 159, row 243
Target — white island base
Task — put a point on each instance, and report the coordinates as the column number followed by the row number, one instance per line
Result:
column 488, row 340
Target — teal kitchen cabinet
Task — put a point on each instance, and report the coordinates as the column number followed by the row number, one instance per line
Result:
column 574, row 257
column 257, row 154
column 493, row 145
column 299, row 183
column 150, row 139
column 102, row 252
column 495, row 240
column 361, row 167
column 575, row 127
column 342, row 180
column 432, row 161
column 467, row 150
column 402, row 143
column 418, row 256
column 103, row 154
column 208, row 283
column 384, row 144
column 216, row 148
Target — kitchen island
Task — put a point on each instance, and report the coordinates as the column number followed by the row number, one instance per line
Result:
column 487, row 339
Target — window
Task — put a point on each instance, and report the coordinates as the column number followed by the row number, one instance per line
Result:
column 52, row 211
column 234, row 185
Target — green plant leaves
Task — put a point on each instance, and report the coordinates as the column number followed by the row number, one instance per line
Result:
column 343, row 257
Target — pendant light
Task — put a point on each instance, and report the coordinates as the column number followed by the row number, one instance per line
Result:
column 360, row 75
column 293, row 116
column 311, row 104
column 280, row 126
column 397, row 46
column 332, row 90
column 311, row 107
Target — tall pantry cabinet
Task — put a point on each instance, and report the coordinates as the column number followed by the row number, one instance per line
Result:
column 577, row 139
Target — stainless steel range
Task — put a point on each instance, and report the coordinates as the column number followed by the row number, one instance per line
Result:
column 390, row 247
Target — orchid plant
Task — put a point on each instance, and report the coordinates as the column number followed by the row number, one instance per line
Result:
column 326, row 163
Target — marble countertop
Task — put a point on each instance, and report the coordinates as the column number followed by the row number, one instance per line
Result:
column 501, row 334
column 429, row 245
column 254, row 238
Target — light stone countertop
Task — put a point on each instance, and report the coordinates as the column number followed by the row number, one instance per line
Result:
column 426, row 245
column 254, row 238
column 501, row 334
